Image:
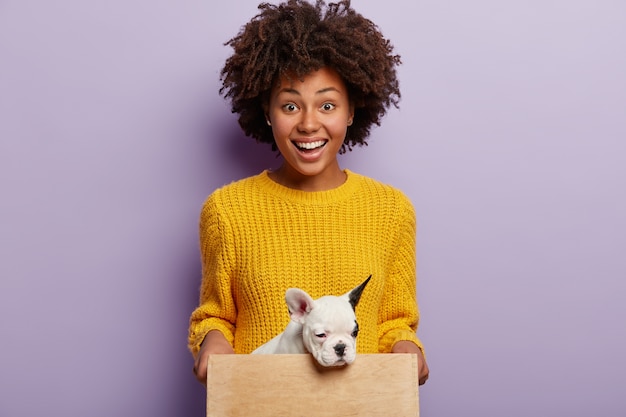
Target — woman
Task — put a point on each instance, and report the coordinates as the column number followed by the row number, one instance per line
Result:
column 310, row 80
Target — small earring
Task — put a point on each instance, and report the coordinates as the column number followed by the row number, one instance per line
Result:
column 268, row 122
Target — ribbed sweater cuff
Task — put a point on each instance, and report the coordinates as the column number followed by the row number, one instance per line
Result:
column 395, row 336
column 196, row 339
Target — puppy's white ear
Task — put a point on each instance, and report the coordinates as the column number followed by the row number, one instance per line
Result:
column 299, row 303
column 355, row 295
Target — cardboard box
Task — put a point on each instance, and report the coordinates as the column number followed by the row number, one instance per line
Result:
column 295, row 385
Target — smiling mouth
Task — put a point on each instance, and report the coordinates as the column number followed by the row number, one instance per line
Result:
column 310, row 146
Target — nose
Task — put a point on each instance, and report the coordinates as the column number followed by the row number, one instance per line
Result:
column 340, row 349
column 308, row 121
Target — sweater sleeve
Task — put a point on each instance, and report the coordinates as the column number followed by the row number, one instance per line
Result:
column 216, row 310
column 399, row 313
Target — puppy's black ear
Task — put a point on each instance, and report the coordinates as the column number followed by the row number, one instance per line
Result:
column 355, row 295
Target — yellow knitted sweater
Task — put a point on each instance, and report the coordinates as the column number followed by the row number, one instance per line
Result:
column 258, row 238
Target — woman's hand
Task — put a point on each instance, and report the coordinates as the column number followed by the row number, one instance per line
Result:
column 405, row 346
column 214, row 343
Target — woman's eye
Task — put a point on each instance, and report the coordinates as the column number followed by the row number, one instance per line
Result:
column 290, row 107
column 328, row 106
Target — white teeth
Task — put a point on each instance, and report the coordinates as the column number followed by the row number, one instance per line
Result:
column 310, row 145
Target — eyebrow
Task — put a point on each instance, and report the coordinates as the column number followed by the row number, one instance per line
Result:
column 294, row 91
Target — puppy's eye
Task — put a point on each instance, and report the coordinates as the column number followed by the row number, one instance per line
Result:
column 320, row 335
column 356, row 330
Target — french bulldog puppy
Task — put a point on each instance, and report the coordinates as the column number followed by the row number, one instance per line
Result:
column 325, row 327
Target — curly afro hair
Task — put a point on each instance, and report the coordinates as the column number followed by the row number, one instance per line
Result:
column 297, row 37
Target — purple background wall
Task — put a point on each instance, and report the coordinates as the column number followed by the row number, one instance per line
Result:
column 511, row 141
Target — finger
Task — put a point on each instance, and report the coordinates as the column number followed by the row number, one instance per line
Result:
column 200, row 371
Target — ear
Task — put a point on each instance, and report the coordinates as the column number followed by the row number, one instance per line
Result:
column 299, row 304
column 351, row 117
column 355, row 295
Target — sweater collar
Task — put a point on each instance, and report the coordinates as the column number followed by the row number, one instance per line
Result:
column 340, row 193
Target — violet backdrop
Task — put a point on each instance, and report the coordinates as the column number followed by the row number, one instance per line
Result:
column 510, row 140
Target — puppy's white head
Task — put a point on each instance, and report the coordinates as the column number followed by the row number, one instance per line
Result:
column 329, row 326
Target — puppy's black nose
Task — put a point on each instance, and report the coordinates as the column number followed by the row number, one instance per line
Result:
column 340, row 349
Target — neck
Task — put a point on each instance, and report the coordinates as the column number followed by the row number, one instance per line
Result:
column 320, row 182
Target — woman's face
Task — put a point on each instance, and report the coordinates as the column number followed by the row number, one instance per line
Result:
column 309, row 120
